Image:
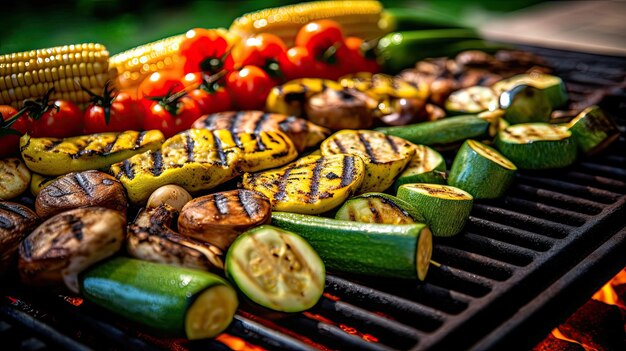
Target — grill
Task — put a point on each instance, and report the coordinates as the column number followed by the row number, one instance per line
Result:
column 523, row 264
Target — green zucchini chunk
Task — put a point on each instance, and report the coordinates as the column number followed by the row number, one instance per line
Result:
column 174, row 300
column 481, row 171
column 472, row 100
column 537, row 145
column 444, row 131
column 426, row 166
column 445, row 208
column 276, row 269
column 553, row 86
column 525, row 104
column 378, row 208
column 386, row 250
column 593, row 130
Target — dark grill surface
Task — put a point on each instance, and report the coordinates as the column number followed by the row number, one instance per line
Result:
column 536, row 241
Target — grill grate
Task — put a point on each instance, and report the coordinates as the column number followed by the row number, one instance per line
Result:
column 512, row 250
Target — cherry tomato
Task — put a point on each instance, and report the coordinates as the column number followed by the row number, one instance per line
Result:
column 249, row 87
column 125, row 113
column 261, row 50
column 217, row 100
column 60, row 120
column 356, row 60
column 203, row 50
column 171, row 115
column 319, row 36
column 162, row 83
column 10, row 134
column 298, row 62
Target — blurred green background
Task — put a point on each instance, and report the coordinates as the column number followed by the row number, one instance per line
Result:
column 122, row 24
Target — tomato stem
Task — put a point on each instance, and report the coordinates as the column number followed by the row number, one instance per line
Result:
column 105, row 100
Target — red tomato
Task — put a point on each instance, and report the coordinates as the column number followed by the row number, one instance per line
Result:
column 261, row 50
column 249, row 87
column 10, row 134
column 217, row 100
column 203, row 50
column 173, row 116
column 318, row 36
column 355, row 60
column 159, row 84
column 61, row 119
column 298, row 62
column 125, row 113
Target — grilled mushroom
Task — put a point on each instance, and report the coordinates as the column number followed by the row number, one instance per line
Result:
column 14, row 178
column 68, row 243
column 16, row 221
column 81, row 189
column 219, row 218
column 151, row 238
column 340, row 109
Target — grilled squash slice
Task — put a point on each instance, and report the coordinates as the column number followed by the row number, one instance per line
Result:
column 384, row 156
column 14, row 178
column 310, row 185
column 303, row 133
column 290, row 98
column 51, row 156
column 200, row 159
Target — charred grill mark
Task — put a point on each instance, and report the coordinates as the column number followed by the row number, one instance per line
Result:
column 18, row 210
column 218, row 147
column 270, row 136
column 368, row 147
column 339, row 145
column 85, row 152
column 139, row 139
column 260, row 146
column 235, row 122
column 221, row 203
column 110, row 145
column 237, row 140
column 285, row 124
column 315, row 180
column 157, row 163
column 391, row 143
column 6, row 223
column 53, row 144
column 189, row 145
column 377, row 216
column 76, row 226
column 282, row 184
column 27, row 248
column 348, row 171
column 84, row 184
column 261, row 123
column 393, row 205
column 248, row 202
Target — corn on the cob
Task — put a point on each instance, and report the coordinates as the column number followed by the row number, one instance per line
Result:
column 357, row 18
column 29, row 74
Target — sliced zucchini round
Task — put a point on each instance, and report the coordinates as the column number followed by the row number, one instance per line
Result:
column 593, row 130
column 537, row 145
column 525, row 104
column 553, row 86
column 378, row 208
column 276, row 269
column 445, row 208
column 426, row 166
column 472, row 100
column 481, row 171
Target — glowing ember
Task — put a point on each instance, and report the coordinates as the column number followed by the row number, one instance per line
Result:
column 236, row 343
column 557, row 334
column 607, row 293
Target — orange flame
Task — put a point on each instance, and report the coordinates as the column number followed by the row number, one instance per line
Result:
column 236, row 343
column 607, row 293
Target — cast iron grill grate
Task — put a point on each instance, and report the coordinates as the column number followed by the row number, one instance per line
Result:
column 512, row 250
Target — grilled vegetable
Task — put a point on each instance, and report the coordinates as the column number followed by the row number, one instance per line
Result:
column 553, row 86
column 402, row 19
column 289, row 99
column 444, row 208
column 38, row 182
column 357, row 18
column 304, row 134
column 30, row 74
column 312, row 184
column 14, row 178
column 16, row 222
column 172, row 300
column 472, row 100
column 50, row 156
column 481, row 171
column 383, row 86
column 378, row 208
column 170, row 194
column 219, row 218
column 68, row 243
column 537, row 145
column 81, row 189
column 384, row 156
column 441, row 132
column 200, row 159
column 340, row 109
column 593, row 130
column 386, row 250
column 151, row 238
column 426, row 166
column 276, row 269
column 525, row 104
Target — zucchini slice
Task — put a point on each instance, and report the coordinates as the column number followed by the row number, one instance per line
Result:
column 386, row 250
column 553, row 86
column 384, row 156
column 378, row 208
column 525, row 104
column 173, row 300
column 276, row 269
column 593, row 130
column 537, row 145
column 481, row 171
column 426, row 166
column 311, row 185
column 445, row 208
column 472, row 100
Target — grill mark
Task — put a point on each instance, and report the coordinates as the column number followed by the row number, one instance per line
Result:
column 393, row 205
column 258, row 127
column 85, row 152
column 248, row 202
column 76, row 226
column 52, row 145
column 260, row 146
column 210, row 122
column 270, row 136
column 139, row 139
column 84, row 183
column 393, row 145
column 340, row 146
column 110, row 145
column 220, row 151
column 348, row 171
column 285, row 124
column 5, row 223
column 377, row 216
column 189, row 145
column 235, row 122
column 315, row 180
column 14, row 209
column 368, row 147
column 128, row 170
column 237, row 140
column 27, row 248
column 221, row 203
column 157, row 163
column 282, row 184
